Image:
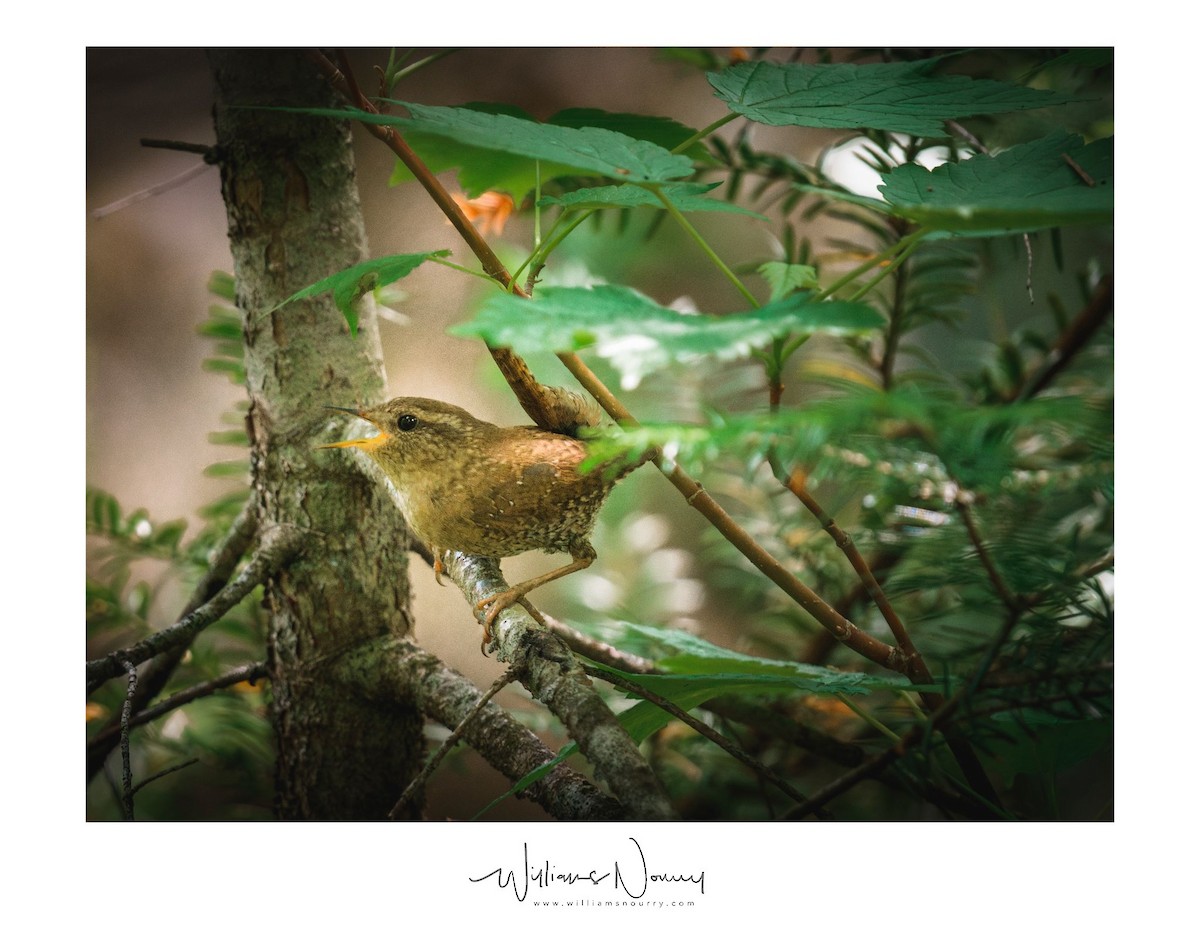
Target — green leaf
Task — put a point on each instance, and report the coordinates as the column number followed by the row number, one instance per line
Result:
column 587, row 150
column 895, row 97
column 639, row 336
column 688, row 657
column 349, row 286
column 479, row 169
column 484, row 167
column 229, row 437
column 685, row 197
column 1030, row 186
column 660, row 130
column 784, row 278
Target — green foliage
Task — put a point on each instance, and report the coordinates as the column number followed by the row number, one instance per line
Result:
column 638, row 336
column 784, row 277
column 489, row 167
column 352, row 284
column 588, row 150
column 686, row 198
column 894, row 96
column 1030, row 186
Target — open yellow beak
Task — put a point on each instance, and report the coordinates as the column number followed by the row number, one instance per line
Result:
column 365, row 444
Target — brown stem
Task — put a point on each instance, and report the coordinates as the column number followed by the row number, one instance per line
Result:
column 963, row 505
column 796, row 483
column 1076, row 335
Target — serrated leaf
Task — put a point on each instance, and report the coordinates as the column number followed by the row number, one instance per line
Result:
column 687, row 656
column 784, row 277
column 661, row 130
column 479, row 169
column 583, row 150
column 638, row 336
column 894, row 96
column 350, row 285
column 484, row 167
column 1030, row 186
column 684, row 197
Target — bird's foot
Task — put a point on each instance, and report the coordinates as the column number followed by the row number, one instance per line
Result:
column 492, row 606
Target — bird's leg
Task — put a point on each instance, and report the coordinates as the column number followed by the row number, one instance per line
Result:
column 582, row 556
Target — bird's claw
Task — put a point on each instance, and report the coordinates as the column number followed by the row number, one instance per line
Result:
column 492, row 606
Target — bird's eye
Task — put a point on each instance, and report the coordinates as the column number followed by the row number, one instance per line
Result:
column 407, row 423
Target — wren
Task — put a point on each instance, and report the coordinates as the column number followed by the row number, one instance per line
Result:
column 470, row 486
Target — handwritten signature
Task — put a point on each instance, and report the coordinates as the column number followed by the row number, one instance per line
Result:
column 634, row 878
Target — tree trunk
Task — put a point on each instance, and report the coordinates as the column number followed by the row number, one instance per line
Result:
column 294, row 217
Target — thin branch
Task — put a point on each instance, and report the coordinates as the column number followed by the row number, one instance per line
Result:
column 1072, row 340
column 162, row 773
column 246, row 672
column 600, row 651
column 126, row 768
column 796, row 484
column 704, row 730
column 421, row 778
column 271, row 556
column 962, row 503
column 208, row 152
column 177, row 181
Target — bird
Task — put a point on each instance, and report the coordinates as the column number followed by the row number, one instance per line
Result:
column 467, row 485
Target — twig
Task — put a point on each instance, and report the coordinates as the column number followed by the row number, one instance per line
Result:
column 162, row 773
column 126, row 769
column 249, row 672
column 178, row 180
column 1028, row 267
column 963, row 504
column 600, row 651
column 706, row 731
column 1076, row 335
column 797, row 485
column 1079, row 171
column 421, row 778
column 208, row 152
column 271, row 556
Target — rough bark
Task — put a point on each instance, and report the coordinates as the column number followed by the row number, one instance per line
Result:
column 294, row 217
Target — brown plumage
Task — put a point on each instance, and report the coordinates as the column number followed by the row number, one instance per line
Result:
column 468, row 485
